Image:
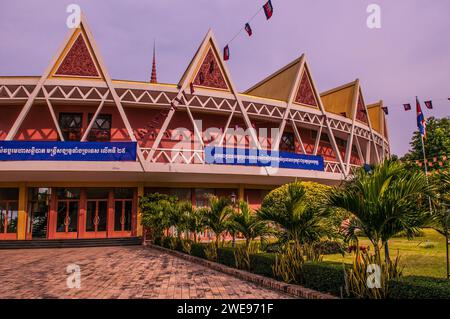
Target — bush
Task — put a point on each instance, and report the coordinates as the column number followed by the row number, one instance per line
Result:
column 261, row 264
column 418, row 287
column 225, row 255
column 324, row 276
column 315, row 195
column 198, row 250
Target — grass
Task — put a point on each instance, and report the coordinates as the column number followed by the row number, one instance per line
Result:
column 421, row 256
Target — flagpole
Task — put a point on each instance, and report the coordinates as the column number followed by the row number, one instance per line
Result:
column 425, row 164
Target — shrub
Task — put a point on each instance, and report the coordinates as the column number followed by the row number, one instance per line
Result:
column 324, row 276
column 186, row 246
column 418, row 287
column 242, row 255
column 288, row 264
column 198, row 250
column 211, row 252
column 225, row 255
column 315, row 195
column 262, row 263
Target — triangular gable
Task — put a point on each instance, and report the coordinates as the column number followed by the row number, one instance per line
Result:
column 361, row 111
column 375, row 116
column 305, row 93
column 77, row 59
column 278, row 85
column 210, row 73
column 340, row 100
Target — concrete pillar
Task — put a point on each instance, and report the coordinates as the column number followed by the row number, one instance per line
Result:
column 22, row 212
column 139, row 228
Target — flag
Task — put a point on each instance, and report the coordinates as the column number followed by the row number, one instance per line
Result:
column 191, row 87
column 421, row 122
column 226, row 53
column 248, row 28
column 268, row 9
column 429, row 104
column 385, row 110
column 407, row 107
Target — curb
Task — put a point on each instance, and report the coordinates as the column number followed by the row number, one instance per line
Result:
column 294, row 290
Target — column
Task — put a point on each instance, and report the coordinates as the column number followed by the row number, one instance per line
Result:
column 139, row 213
column 22, row 212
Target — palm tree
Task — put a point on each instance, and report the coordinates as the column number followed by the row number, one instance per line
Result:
column 218, row 216
column 247, row 223
column 193, row 219
column 296, row 220
column 384, row 202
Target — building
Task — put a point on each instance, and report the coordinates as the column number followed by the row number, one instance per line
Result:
column 77, row 148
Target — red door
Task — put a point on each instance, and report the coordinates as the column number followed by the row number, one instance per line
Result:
column 67, row 212
column 96, row 218
column 123, row 212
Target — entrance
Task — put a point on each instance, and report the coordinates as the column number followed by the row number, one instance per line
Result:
column 8, row 213
column 92, row 212
column 38, row 210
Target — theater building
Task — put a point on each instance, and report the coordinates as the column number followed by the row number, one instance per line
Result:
column 78, row 148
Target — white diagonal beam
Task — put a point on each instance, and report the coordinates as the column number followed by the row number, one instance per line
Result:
column 297, row 134
column 52, row 113
column 352, row 130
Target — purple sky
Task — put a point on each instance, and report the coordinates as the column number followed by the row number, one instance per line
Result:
column 408, row 56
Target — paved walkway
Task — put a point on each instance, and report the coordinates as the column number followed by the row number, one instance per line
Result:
column 116, row 272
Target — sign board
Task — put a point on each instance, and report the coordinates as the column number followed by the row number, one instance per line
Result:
column 67, row 151
column 254, row 157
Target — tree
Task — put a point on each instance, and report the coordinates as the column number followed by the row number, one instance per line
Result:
column 218, row 216
column 437, row 144
column 156, row 212
column 247, row 223
column 296, row 218
column 385, row 202
column 193, row 218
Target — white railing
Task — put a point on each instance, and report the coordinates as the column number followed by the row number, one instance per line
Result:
column 187, row 156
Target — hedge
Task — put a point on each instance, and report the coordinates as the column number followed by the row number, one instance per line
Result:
column 225, row 255
column 324, row 276
column 329, row 276
column 419, row 287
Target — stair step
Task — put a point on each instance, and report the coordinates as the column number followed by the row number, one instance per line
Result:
column 71, row 243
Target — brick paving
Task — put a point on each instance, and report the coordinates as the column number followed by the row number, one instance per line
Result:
column 117, row 272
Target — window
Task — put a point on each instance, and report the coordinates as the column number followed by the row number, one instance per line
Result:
column 287, row 143
column 101, row 129
column 70, row 124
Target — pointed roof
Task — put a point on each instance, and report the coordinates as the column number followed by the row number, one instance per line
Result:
column 77, row 58
column 278, row 85
column 153, row 76
column 377, row 117
column 340, row 99
column 207, row 69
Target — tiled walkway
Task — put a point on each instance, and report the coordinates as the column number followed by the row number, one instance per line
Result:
column 116, row 272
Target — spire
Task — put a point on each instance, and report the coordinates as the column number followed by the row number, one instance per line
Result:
column 153, row 77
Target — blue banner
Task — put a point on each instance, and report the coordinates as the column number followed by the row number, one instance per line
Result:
column 67, row 151
column 254, row 157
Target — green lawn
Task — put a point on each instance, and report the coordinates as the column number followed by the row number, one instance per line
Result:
column 416, row 258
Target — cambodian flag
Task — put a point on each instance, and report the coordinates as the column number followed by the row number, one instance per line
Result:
column 421, row 122
column 268, row 9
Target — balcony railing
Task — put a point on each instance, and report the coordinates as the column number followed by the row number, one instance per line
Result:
column 186, row 156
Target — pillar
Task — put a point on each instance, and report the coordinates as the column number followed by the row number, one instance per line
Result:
column 241, row 192
column 22, row 213
column 139, row 229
